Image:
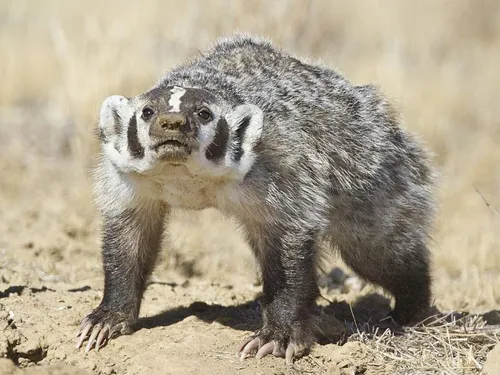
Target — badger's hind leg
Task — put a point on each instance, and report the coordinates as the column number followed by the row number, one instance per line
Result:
column 413, row 293
column 401, row 267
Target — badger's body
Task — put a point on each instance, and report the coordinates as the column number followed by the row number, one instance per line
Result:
column 295, row 153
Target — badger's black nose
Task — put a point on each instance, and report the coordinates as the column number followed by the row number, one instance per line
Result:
column 168, row 122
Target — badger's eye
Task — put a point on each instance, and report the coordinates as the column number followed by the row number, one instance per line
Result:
column 147, row 113
column 205, row 114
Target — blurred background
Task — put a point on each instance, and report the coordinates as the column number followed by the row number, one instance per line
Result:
column 437, row 60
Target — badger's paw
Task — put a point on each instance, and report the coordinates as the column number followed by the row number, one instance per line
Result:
column 102, row 325
column 290, row 343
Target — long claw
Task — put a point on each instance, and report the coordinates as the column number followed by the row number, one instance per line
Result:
column 92, row 338
column 262, row 347
column 290, row 353
column 253, row 344
column 84, row 331
column 102, row 336
column 242, row 345
column 79, row 330
column 265, row 350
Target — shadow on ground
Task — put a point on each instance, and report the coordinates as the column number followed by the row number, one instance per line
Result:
column 368, row 314
column 20, row 289
column 333, row 320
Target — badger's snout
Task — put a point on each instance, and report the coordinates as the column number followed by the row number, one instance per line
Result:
column 171, row 136
column 168, row 124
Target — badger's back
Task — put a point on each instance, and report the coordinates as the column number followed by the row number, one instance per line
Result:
column 317, row 124
column 251, row 69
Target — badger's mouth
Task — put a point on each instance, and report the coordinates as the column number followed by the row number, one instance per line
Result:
column 172, row 148
column 170, row 143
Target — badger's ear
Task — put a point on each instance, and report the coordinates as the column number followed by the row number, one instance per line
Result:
column 245, row 126
column 111, row 117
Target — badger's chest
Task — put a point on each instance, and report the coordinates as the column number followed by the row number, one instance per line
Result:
column 180, row 188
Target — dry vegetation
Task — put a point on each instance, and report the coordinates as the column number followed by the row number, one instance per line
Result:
column 438, row 60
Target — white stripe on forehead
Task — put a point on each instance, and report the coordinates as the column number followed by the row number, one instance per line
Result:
column 175, row 98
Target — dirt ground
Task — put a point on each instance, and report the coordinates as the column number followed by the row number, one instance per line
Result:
column 439, row 61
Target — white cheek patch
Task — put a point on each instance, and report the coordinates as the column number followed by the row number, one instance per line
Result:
column 245, row 130
column 245, row 124
column 123, row 132
column 206, row 135
column 175, row 98
column 200, row 164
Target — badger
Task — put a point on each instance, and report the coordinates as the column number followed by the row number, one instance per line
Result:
column 291, row 150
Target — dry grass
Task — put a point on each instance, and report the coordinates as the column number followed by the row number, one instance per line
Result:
column 438, row 60
column 442, row 344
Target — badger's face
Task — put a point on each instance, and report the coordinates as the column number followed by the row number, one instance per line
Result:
column 177, row 125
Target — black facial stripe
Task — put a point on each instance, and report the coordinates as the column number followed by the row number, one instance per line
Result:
column 217, row 149
column 239, row 138
column 117, row 120
column 134, row 146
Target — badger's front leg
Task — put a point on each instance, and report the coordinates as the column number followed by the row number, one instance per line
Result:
column 288, row 262
column 131, row 242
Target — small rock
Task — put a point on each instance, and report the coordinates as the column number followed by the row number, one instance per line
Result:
column 337, row 275
column 333, row 279
column 353, row 284
column 61, row 308
column 32, row 350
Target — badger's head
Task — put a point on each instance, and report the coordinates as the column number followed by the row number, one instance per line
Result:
column 178, row 125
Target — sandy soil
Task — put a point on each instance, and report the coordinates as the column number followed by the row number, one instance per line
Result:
column 438, row 60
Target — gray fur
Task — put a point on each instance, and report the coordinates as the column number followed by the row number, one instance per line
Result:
column 330, row 162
